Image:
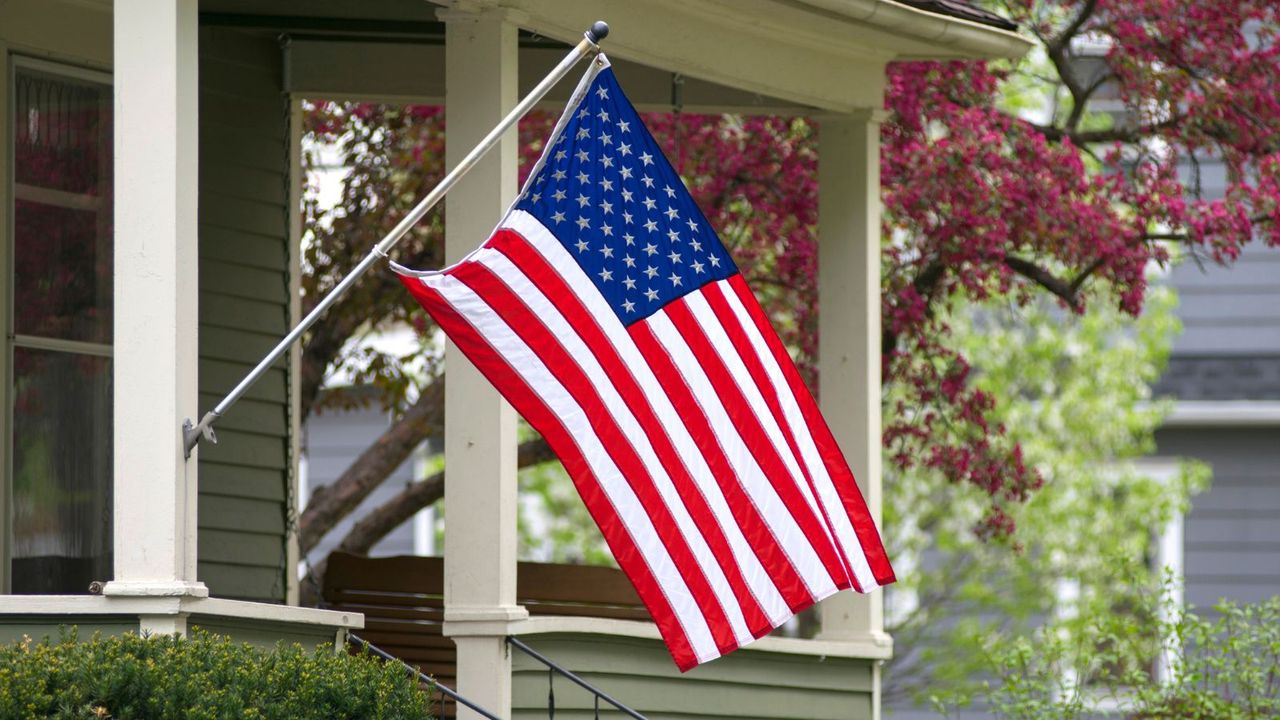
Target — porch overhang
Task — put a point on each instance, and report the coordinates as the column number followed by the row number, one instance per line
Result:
column 827, row 54
column 750, row 56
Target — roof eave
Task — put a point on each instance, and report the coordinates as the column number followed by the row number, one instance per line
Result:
column 953, row 37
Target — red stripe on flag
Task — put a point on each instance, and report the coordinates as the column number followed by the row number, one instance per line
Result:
column 755, row 368
column 766, row 453
column 828, row 448
column 525, row 401
column 565, row 368
column 536, row 268
column 772, row 555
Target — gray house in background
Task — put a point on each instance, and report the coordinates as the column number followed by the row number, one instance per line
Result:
column 1225, row 376
column 332, row 440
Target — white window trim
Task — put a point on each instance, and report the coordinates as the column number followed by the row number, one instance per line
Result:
column 1224, row 413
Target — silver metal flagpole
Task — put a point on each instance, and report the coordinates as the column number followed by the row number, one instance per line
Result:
column 191, row 434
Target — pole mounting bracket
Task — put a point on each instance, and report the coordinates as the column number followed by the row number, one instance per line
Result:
column 192, row 433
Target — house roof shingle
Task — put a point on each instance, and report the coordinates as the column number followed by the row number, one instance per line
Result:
column 962, row 10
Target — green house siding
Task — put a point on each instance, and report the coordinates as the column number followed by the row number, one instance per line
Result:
column 244, row 311
column 640, row 673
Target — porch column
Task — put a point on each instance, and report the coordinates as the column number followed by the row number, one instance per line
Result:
column 480, row 427
column 849, row 330
column 155, row 298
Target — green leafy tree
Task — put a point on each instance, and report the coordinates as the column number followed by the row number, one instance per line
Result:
column 1216, row 666
column 1079, row 404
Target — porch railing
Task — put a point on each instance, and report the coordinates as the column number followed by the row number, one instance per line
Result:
column 402, row 599
column 553, row 669
column 441, row 688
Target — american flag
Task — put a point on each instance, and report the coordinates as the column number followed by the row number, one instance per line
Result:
column 609, row 314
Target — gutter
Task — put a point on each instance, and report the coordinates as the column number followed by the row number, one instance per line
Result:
column 965, row 36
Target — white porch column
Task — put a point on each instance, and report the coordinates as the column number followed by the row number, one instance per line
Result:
column 155, row 297
column 849, row 330
column 480, row 428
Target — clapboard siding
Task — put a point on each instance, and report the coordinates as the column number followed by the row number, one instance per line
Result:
column 239, row 514
column 241, row 281
column 262, row 184
column 236, row 345
column 1231, row 535
column 259, row 483
column 240, row 248
column 217, row 377
column 244, row 310
column 639, row 673
column 1230, row 311
column 228, row 311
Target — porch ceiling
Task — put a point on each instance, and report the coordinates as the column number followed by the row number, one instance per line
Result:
column 824, row 53
column 767, row 56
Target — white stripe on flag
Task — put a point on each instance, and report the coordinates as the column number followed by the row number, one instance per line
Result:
column 540, row 380
column 757, row 578
column 785, row 528
column 808, row 448
column 711, row 326
column 573, row 344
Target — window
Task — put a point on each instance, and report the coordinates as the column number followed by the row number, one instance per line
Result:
column 58, row 325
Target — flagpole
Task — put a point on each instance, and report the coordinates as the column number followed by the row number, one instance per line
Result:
column 191, row 434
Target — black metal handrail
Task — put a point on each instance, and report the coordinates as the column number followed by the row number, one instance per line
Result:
column 553, row 669
column 417, row 674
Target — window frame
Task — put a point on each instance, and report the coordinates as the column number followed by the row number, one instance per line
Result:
column 13, row 63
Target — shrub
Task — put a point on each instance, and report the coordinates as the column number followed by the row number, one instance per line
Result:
column 1219, row 666
column 205, row 676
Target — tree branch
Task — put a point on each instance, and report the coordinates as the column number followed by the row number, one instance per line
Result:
column 1062, row 41
column 925, row 284
column 1183, row 237
column 1057, row 48
column 1066, row 291
column 330, row 503
column 326, row 339
column 1126, row 134
column 380, row 521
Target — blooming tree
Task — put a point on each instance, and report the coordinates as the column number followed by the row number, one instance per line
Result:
column 1001, row 183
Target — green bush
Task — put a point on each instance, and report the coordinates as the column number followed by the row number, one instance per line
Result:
column 131, row 677
column 1223, row 665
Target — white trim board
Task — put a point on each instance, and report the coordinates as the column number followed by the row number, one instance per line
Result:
column 78, row 605
column 1224, row 413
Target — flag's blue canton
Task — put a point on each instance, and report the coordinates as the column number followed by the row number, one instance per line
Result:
column 609, row 195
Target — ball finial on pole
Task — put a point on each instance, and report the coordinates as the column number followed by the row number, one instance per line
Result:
column 599, row 31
